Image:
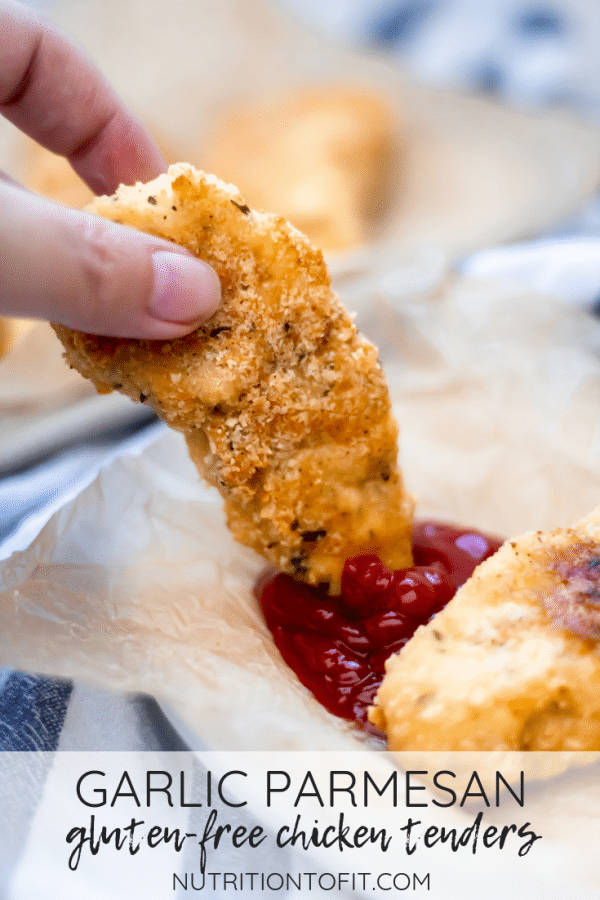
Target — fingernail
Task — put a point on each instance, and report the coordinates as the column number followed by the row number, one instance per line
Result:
column 185, row 289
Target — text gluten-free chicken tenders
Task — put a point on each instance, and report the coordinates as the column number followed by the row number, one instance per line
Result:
column 284, row 406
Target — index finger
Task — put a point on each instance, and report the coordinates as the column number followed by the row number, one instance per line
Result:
column 52, row 92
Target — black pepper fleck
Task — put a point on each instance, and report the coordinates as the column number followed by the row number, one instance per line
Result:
column 317, row 535
column 299, row 568
column 218, row 330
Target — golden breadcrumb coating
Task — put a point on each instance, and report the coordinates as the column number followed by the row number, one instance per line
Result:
column 513, row 662
column 285, row 408
column 325, row 158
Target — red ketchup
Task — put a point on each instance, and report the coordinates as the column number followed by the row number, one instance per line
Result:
column 337, row 646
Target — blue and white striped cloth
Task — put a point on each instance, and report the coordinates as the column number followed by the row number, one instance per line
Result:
column 529, row 52
column 537, row 53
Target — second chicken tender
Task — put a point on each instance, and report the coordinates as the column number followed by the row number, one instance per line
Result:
column 284, row 406
column 513, row 661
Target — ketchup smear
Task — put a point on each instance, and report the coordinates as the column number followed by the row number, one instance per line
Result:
column 337, row 646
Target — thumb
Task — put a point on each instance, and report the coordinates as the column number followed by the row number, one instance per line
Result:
column 90, row 274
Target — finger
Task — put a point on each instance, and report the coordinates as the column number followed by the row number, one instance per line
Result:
column 51, row 91
column 82, row 271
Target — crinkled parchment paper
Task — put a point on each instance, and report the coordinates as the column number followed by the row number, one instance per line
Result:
column 136, row 585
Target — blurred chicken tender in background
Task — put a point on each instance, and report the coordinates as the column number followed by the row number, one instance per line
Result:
column 11, row 332
column 52, row 176
column 323, row 158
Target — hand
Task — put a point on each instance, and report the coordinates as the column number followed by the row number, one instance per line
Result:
column 64, row 265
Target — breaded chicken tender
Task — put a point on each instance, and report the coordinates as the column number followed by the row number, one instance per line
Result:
column 513, row 662
column 284, row 407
